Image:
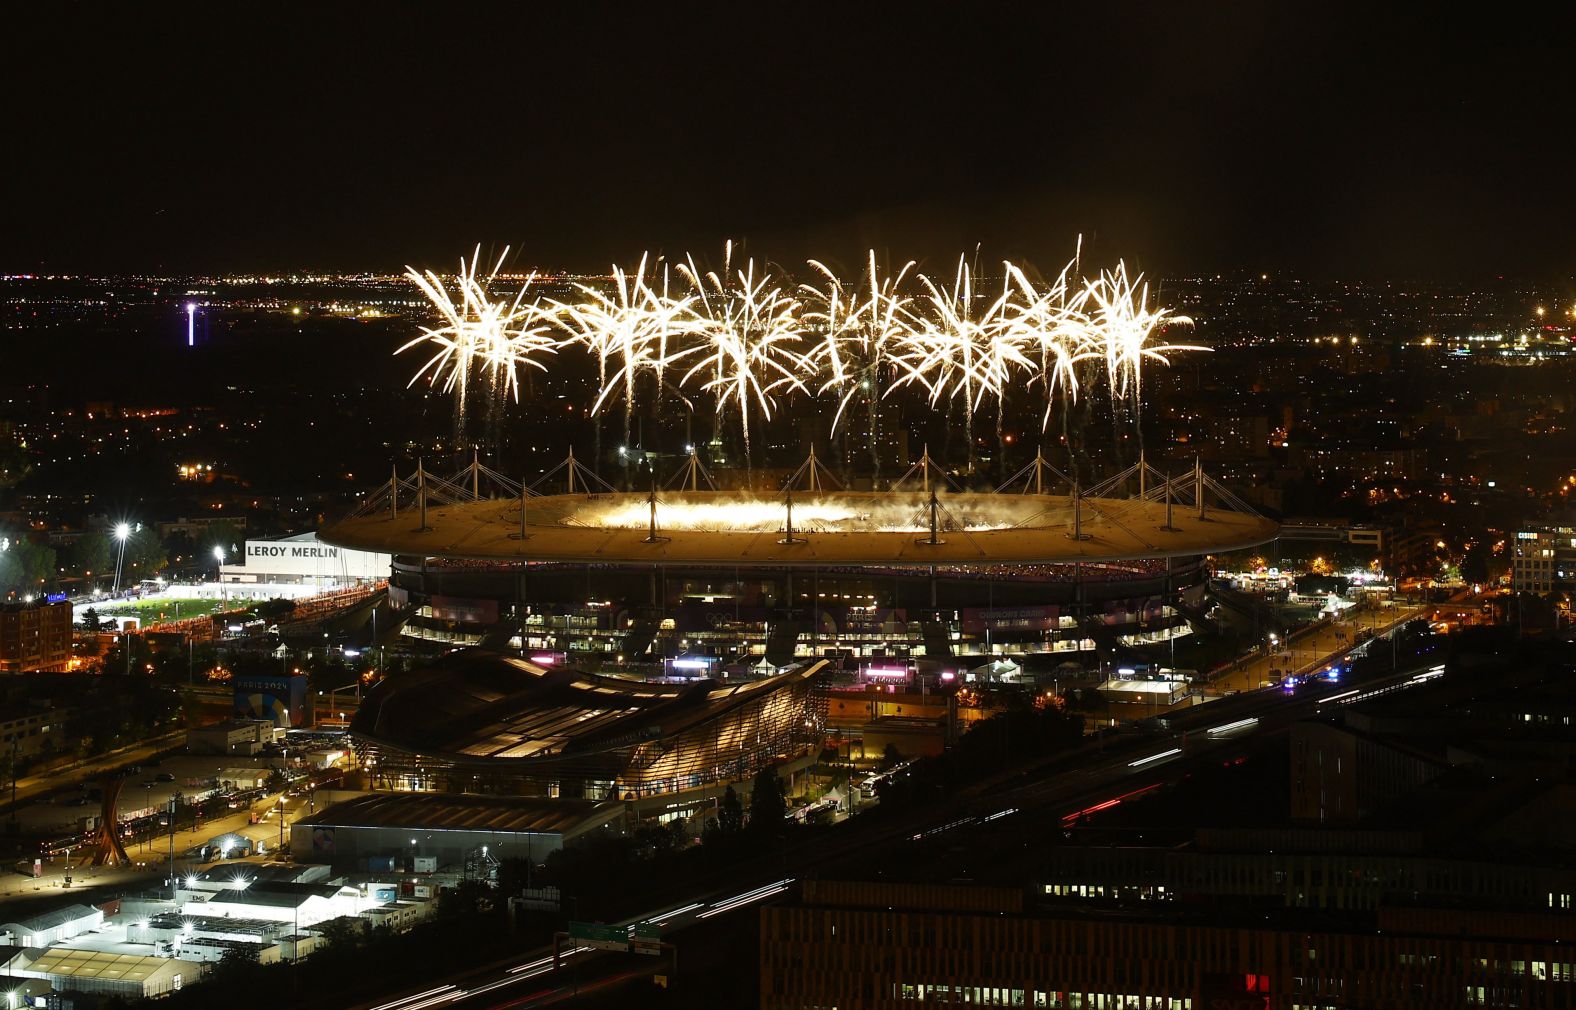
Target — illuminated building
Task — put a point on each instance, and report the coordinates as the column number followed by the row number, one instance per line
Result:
column 898, row 945
column 614, row 580
column 35, row 637
column 478, row 721
column 1543, row 560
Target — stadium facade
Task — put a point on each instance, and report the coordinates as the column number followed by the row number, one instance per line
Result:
column 703, row 583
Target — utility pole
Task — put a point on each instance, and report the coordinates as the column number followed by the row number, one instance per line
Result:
column 174, row 892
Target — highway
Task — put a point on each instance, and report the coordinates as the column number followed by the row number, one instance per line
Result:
column 1101, row 774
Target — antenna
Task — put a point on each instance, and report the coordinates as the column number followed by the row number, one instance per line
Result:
column 789, row 538
column 934, row 508
column 651, row 499
column 1168, row 527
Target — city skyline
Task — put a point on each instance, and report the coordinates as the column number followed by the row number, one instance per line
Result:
column 787, row 505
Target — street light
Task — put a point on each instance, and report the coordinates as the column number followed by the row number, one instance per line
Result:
column 218, row 553
column 122, row 533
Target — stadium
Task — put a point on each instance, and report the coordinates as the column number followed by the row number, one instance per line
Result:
column 695, row 582
column 586, row 617
column 593, row 645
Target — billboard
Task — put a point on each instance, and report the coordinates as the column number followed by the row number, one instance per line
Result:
column 464, row 609
column 280, row 700
column 307, row 557
column 977, row 619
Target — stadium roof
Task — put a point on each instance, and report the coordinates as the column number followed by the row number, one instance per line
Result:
column 995, row 528
column 457, row 812
column 481, row 706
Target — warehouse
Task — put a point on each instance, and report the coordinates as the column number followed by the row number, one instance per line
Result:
column 431, row 831
column 304, row 560
column 52, row 927
column 278, row 901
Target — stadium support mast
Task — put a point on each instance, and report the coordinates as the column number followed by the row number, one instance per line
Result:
column 421, row 495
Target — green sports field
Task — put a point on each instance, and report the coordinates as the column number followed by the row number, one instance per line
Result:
column 154, row 611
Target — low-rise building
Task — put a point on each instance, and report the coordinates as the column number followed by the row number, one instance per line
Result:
column 1543, row 560
column 35, row 636
column 29, row 732
column 385, row 830
column 234, row 736
column 129, row 976
column 52, row 927
column 297, row 904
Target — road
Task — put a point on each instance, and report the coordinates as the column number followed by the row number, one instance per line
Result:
column 1100, row 774
column 1314, row 647
column 32, row 786
column 151, row 857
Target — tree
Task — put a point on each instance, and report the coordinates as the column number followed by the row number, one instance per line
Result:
column 223, row 534
column 768, row 802
column 340, row 935
column 1474, row 566
column 145, row 557
column 91, row 556
column 26, row 567
column 730, row 815
column 90, row 620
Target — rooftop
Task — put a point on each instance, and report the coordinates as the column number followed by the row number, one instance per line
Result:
column 49, row 920
column 484, row 706
column 830, row 528
column 98, row 965
column 456, row 812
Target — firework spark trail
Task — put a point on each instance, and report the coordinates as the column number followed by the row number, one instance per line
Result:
column 1055, row 323
column 633, row 326
column 958, row 352
column 750, row 332
column 859, row 327
column 1122, row 318
column 740, row 335
column 477, row 331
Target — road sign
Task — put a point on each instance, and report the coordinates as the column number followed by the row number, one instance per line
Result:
column 595, row 934
column 646, row 938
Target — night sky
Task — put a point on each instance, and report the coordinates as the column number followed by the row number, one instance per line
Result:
column 1189, row 138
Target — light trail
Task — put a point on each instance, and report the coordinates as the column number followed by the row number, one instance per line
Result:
column 942, row 828
column 1337, row 697
column 748, row 897
column 1232, row 727
column 662, row 919
column 1071, row 819
column 1141, row 762
column 400, row 1004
